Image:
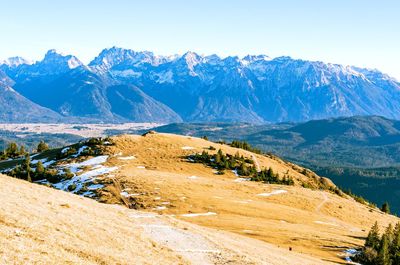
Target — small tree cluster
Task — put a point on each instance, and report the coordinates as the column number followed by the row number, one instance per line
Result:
column 24, row 171
column 42, row 146
column 66, row 152
column 381, row 249
column 12, row 151
column 268, row 175
column 221, row 161
column 243, row 167
column 98, row 141
column 245, row 146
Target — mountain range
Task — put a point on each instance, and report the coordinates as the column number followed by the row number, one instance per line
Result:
column 122, row 85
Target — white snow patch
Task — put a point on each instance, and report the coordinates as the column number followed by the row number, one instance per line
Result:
column 102, row 170
column 160, row 208
column 127, row 157
column 325, row 223
column 46, row 164
column 95, row 186
column 65, row 150
column 124, row 194
column 35, row 161
column 81, row 149
column 143, row 215
column 88, row 194
column 348, row 254
column 193, row 177
column 235, row 172
column 198, row 214
column 42, row 181
column 90, row 162
column 141, row 167
column 241, row 179
column 127, row 73
column 86, row 177
column 165, row 77
column 275, row 192
column 187, row 148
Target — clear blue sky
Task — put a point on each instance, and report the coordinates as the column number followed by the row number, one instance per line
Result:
column 357, row 32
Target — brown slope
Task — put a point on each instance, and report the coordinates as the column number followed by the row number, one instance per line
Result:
column 315, row 222
column 40, row 225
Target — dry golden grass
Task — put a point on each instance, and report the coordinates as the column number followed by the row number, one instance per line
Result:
column 41, row 225
column 314, row 222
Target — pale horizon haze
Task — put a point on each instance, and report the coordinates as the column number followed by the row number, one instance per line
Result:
column 352, row 32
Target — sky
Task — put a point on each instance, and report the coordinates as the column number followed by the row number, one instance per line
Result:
column 364, row 33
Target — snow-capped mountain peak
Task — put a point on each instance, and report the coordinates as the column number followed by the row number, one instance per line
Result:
column 53, row 57
column 16, row 61
column 254, row 88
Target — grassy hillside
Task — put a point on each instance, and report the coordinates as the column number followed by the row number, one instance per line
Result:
column 160, row 173
column 368, row 141
column 358, row 153
column 40, row 225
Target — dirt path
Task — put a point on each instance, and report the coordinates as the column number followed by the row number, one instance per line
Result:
column 326, row 199
column 199, row 245
column 192, row 246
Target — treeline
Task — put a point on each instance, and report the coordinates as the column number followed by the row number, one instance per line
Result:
column 381, row 249
column 14, row 151
column 378, row 173
column 358, row 198
column 245, row 146
column 39, row 172
column 244, row 167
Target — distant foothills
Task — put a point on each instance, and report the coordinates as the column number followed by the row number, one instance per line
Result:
column 122, row 85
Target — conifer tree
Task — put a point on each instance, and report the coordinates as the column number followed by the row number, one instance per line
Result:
column 383, row 254
column 218, row 157
column 385, row 207
column 389, row 233
column 39, row 172
column 22, row 151
column 373, row 237
column 12, row 150
column 27, row 167
column 42, row 146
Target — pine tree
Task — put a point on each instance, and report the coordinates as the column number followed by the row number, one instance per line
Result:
column 383, row 254
column 27, row 167
column 12, row 150
column 389, row 233
column 39, row 172
column 385, row 207
column 373, row 237
column 395, row 246
column 22, row 151
column 42, row 146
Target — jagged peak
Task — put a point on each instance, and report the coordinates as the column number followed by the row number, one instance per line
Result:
column 54, row 57
column 16, row 61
